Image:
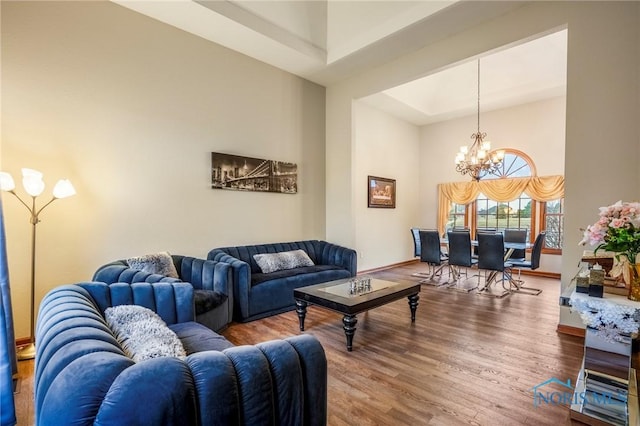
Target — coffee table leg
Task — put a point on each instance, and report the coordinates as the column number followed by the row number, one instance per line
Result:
column 349, row 322
column 301, row 309
column 413, row 304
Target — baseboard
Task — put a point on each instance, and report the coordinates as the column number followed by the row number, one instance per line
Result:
column 23, row 341
column 572, row 331
column 382, row 268
column 542, row 274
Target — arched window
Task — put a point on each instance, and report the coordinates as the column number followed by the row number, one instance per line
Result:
column 515, row 164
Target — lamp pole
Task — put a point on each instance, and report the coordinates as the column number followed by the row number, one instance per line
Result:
column 29, row 351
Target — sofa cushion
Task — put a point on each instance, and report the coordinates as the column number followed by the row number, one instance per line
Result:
column 157, row 263
column 197, row 338
column 273, row 262
column 206, row 300
column 285, row 273
column 142, row 333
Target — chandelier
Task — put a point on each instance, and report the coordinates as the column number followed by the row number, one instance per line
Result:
column 478, row 160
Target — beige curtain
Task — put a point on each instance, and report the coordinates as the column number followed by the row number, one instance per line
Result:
column 545, row 188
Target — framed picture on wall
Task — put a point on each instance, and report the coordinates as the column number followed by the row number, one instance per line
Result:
column 381, row 192
column 240, row 173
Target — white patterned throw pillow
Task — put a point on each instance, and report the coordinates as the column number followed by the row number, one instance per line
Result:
column 272, row 262
column 157, row 263
column 142, row 333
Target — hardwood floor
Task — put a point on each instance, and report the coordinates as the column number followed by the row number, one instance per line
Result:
column 467, row 359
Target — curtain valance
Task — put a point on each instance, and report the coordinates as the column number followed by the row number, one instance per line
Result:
column 539, row 188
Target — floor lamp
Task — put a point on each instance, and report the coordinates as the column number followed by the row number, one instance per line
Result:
column 33, row 185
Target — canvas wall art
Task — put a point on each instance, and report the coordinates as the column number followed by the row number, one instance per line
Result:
column 253, row 174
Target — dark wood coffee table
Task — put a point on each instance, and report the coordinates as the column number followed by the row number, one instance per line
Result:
column 338, row 296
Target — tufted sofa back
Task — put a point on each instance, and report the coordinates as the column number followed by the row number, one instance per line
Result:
column 202, row 274
column 320, row 252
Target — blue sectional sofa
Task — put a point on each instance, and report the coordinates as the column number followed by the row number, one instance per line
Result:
column 83, row 376
column 258, row 295
column 210, row 280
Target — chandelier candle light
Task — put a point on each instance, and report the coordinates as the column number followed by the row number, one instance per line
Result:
column 34, row 186
column 478, row 160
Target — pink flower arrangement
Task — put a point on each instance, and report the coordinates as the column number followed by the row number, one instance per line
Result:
column 617, row 230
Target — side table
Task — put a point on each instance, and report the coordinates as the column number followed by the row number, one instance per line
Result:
column 606, row 388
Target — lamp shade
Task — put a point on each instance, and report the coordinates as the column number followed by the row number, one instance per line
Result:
column 63, row 189
column 32, row 182
column 6, row 182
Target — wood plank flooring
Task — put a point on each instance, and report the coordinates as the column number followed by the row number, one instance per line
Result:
column 467, row 360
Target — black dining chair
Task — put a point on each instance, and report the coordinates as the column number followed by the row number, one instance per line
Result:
column 460, row 259
column 491, row 260
column 519, row 235
column 482, row 231
column 432, row 255
column 533, row 264
column 417, row 250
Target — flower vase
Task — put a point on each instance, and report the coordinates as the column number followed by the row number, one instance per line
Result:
column 634, row 282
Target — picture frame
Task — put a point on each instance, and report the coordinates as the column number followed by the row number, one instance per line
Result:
column 381, row 192
column 240, row 173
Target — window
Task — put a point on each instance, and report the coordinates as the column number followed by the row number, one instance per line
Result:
column 515, row 164
column 494, row 215
column 457, row 216
column 554, row 224
column 523, row 212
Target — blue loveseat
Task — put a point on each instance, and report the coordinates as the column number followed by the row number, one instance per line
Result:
column 211, row 281
column 258, row 295
column 83, row 376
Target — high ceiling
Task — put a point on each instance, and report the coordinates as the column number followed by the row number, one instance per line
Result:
column 525, row 73
column 328, row 40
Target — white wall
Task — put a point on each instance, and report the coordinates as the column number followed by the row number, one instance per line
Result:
column 385, row 147
column 130, row 109
column 537, row 129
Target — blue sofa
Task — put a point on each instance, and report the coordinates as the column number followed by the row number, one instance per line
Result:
column 211, row 281
column 258, row 295
column 83, row 377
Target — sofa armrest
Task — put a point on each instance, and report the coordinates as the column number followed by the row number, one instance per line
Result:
column 333, row 254
column 280, row 382
column 241, row 279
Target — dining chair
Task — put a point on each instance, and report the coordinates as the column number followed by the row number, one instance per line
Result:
column 533, row 264
column 417, row 250
column 491, row 260
column 482, row 231
column 459, row 258
column 513, row 235
column 432, row 255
